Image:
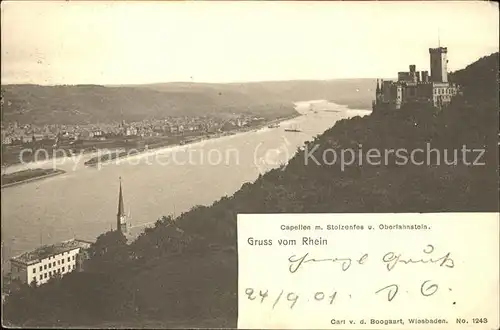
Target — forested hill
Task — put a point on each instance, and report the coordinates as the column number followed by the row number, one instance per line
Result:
column 81, row 104
column 480, row 79
column 171, row 277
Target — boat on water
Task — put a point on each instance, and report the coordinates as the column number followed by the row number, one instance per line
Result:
column 273, row 126
column 293, row 129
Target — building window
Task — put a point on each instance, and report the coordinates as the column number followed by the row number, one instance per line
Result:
column 62, row 261
column 50, row 273
column 63, row 269
column 41, row 276
column 40, row 268
column 50, row 265
column 54, row 264
column 69, row 259
column 58, row 262
column 45, row 275
column 34, row 269
column 44, row 266
column 73, row 257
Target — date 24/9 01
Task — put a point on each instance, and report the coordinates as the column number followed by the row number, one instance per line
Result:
column 426, row 289
column 320, row 296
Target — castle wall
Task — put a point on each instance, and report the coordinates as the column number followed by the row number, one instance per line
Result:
column 443, row 93
column 386, row 91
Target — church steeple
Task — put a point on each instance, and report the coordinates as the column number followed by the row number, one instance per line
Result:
column 121, row 224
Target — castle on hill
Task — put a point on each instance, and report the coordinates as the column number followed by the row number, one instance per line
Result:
column 417, row 86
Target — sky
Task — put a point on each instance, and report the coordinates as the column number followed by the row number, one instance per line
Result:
column 76, row 42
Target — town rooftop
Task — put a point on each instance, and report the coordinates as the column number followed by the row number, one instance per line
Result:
column 35, row 256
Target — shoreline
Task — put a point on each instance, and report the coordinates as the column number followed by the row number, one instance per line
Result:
column 185, row 141
column 31, row 179
column 188, row 140
column 94, row 162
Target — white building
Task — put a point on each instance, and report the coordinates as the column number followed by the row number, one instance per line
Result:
column 6, row 140
column 45, row 262
column 129, row 131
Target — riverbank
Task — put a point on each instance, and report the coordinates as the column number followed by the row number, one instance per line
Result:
column 153, row 190
column 181, row 141
column 25, row 176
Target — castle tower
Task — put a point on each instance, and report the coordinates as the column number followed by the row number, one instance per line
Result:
column 379, row 93
column 121, row 218
column 439, row 64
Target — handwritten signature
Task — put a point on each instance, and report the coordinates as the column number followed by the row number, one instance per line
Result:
column 390, row 259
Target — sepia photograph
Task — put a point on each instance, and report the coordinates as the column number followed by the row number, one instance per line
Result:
column 159, row 156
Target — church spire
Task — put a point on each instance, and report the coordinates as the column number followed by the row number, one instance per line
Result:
column 120, row 216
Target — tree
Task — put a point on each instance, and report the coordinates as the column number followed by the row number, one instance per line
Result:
column 108, row 253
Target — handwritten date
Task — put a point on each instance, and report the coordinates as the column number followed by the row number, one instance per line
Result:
column 427, row 288
column 291, row 297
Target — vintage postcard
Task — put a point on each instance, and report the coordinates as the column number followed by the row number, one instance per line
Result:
column 359, row 271
column 251, row 165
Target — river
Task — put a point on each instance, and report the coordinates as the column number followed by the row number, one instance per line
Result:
column 82, row 202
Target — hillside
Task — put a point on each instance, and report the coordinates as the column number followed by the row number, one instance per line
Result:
column 186, row 279
column 354, row 92
column 480, row 79
column 93, row 103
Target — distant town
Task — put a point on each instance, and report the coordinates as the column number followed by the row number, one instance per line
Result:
column 17, row 134
column 22, row 143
